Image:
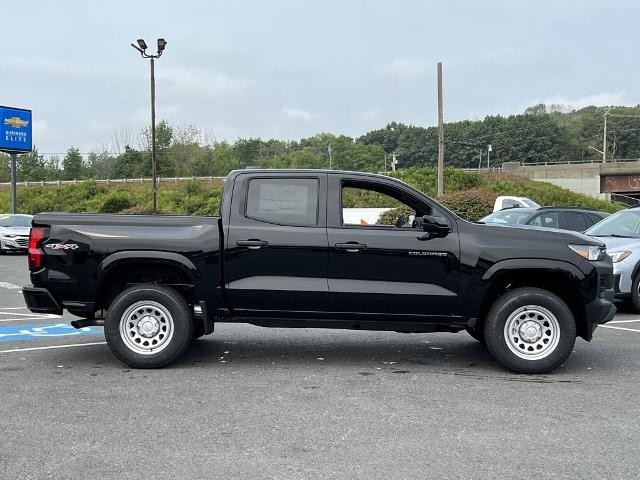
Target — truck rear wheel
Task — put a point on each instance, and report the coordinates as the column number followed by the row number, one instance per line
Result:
column 530, row 330
column 148, row 326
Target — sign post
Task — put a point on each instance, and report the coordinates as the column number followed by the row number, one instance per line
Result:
column 13, row 183
column 15, row 138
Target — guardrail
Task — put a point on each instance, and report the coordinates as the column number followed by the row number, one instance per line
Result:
column 577, row 162
column 109, row 181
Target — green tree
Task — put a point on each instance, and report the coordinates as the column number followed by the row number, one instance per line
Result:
column 72, row 165
column 31, row 166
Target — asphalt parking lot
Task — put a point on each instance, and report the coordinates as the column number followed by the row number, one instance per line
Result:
column 249, row 402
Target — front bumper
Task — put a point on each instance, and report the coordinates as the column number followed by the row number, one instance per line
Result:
column 14, row 243
column 602, row 309
column 40, row 300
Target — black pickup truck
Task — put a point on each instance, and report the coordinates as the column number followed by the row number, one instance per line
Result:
column 282, row 253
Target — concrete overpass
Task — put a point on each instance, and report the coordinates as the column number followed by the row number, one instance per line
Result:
column 595, row 179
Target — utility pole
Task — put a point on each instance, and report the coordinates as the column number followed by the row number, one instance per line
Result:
column 604, row 137
column 440, row 135
column 480, row 161
column 13, row 183
column 394, row 161
column 330, row 158
column 489, row 150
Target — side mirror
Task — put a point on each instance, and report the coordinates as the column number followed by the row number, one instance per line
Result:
column 435, row 226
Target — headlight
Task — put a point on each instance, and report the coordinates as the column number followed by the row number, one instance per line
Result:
column 619, row 256
column 588, row 252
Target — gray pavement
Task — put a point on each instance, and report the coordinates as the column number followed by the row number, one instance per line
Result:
column 249, row 402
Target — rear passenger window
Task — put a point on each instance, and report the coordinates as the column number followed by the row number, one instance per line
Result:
column 285, row 201
column 548, row 219
column 574, row 221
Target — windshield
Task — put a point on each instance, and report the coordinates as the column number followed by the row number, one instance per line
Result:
column 622, row 224
column 529, row 202
column 15, row 220
column 510, row 217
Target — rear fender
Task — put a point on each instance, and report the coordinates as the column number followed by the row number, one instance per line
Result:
column 143, row 256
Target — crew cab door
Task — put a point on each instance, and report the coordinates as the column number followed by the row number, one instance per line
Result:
column 389, row 269
column 276, row 245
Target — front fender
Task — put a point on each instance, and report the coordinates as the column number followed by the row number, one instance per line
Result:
column 533, row 264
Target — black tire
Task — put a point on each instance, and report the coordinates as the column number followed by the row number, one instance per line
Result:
column 476, row 334
column 634, row 298
column 169, row 324
column 546, row 315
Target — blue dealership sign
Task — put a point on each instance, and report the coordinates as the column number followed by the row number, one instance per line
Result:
column 15, row 129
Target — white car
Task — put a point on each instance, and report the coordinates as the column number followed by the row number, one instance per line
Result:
column 14, row 232
column 506, row 201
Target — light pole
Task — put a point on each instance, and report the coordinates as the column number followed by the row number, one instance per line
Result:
column 142, row 48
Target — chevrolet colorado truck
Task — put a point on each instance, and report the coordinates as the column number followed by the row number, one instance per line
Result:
column 281, row 255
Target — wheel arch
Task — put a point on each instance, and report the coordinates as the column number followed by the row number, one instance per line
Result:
column 560, row 278
column 121, row 268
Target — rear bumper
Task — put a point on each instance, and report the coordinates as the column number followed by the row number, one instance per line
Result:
column 40, row 300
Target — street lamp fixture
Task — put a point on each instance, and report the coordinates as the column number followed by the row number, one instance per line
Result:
column 142, row 49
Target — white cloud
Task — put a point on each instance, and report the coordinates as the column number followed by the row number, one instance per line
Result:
column 60, row 68
column 204, row 82
column 406, row 69
column 299, row 114
column 368, row 115
column 40, row 128
column 597, row 99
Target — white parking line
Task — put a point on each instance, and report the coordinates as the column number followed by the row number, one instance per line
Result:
column 52, row 347
column 13, row 308
column 620, row 328
column 10, row 286
column 625, row 321
column 22, row 319
column 43, row 315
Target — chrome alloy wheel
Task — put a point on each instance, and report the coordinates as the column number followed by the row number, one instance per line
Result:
column 532, row 332
column 146, row 327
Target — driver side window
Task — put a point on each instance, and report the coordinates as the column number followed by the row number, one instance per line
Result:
column 367, row 206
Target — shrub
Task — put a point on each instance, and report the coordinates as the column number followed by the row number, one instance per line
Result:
column 395, row 216
column 116, row 202
column 471, row 205
column 144, row 210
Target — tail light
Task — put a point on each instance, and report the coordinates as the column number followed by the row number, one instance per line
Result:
column 37, row 235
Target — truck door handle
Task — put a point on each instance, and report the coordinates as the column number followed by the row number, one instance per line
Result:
column 252, row 243
column 351, row 247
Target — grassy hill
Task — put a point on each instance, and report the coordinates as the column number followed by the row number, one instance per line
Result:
column 467, row 193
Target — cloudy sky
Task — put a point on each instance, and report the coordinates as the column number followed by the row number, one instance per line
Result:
column 289, row 69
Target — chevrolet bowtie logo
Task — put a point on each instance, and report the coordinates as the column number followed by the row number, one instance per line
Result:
column 16, row 122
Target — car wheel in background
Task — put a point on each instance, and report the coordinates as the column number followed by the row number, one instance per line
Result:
column 530, row 330
column 634, row 298
column 148, row 326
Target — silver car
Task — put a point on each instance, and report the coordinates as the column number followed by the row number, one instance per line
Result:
column 14, row 232
column 621, row 233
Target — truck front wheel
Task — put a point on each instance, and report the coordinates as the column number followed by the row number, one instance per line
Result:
column 530, row 330
column 148, row 326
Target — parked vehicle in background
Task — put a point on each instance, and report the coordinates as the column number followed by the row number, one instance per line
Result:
column 14, row 232
column 621, row 233
column 507, row 201
column 281, row 254
column 563, row 218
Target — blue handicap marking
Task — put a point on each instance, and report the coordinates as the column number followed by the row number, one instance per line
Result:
column 14, row 333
